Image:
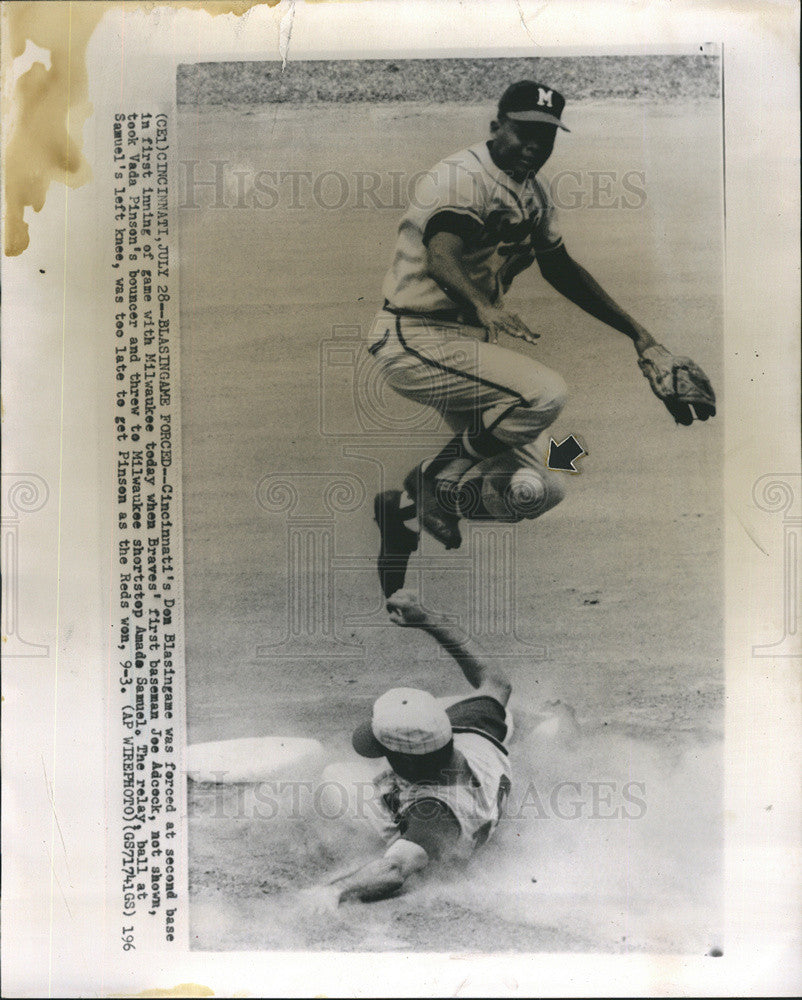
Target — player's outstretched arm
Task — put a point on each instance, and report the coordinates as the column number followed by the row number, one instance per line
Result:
column 444, row 264
column 678, row 382
column 405, row 609
column 376, row 879
column 572, row 280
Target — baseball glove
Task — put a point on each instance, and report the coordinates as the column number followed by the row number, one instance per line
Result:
column 680, row 383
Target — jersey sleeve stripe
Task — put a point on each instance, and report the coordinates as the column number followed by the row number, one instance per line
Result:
column 480, row 732
column 458, row 210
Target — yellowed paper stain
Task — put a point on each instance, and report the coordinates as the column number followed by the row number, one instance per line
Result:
column 51, row 105
column 182, row 990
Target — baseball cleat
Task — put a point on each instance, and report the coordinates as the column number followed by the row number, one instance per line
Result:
column 439, row 523
column 398, row 542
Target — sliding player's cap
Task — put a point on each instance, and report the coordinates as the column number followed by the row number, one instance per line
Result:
column 405, row 720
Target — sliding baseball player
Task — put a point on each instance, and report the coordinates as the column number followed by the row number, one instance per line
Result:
column 443, row 337
column 444, row 776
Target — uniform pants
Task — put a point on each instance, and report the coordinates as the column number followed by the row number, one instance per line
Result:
column 477, row 387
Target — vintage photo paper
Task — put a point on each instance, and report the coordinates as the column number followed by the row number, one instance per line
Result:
column 594, row 602
column 371, row 622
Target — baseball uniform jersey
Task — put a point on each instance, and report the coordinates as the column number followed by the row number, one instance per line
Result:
column 476, row 803
column 501, row 221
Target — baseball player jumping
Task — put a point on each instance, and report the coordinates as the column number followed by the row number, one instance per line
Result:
column 445, row 776
column 477, row 220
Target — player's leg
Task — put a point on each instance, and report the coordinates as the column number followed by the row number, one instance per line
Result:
column 511, row 487
column 394, row 510
column 395, row 513
column 495, row 400
column 499, row 402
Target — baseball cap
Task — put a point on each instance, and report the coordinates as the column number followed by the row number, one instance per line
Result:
column 527, row 101
column 405, row 720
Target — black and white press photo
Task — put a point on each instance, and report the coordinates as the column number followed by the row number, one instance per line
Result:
column 451, row 342
column 400, row 498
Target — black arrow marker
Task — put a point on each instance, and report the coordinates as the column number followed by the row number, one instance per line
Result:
column 562, row 456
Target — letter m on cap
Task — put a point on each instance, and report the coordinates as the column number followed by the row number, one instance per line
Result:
column 544, row 97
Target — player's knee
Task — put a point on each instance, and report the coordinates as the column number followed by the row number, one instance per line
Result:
column 540, row 409
column 541, row 387
column 530, row 493
column 544, row 399
column 551, row 397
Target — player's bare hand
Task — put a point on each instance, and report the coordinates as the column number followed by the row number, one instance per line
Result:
column 496, row 321
column 406, row 610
